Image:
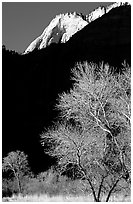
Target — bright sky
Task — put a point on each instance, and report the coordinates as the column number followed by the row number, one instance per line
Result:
column 22, row 22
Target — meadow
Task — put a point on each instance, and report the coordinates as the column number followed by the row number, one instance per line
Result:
column 62, row 198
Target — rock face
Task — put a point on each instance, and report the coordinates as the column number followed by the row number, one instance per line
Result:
column 61, row 28
column 64, row 26
column 100, row 11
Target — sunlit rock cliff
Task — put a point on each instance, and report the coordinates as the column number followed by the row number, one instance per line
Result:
column 64, row 26
column 60, row 29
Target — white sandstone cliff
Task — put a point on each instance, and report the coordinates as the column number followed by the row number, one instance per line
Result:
column 63, row 26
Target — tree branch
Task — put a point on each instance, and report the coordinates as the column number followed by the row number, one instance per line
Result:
column 109, row 194
column 100, row 188
column 126, row 116
column 84, row 172
column 126, row 104
column 98, row 121
column 104, row 111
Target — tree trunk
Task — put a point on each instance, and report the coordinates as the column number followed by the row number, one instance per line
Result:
column 100, row 188
column 93, row 191
column 109, row 194
column 84, row 172
column 18, row 180
column 19, row 184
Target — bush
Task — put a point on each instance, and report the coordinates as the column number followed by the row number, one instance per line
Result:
column 9, row 187
column 52, row 184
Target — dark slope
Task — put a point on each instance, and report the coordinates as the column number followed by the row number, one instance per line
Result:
column 107, row 38
column 32, row 82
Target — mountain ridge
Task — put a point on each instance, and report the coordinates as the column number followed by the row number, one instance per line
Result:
column 64, row 26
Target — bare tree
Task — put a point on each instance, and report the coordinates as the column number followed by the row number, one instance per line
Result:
column 17, row 163
column 95, row 132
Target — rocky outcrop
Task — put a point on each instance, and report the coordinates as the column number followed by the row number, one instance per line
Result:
column 64, row 26
column 61, row 28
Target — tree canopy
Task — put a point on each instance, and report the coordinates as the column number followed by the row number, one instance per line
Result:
column 94, row 127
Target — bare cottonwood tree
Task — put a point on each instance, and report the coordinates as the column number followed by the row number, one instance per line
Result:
column 16, row 162
column 95, row 130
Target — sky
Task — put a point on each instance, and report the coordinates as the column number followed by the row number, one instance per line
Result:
column 22, row 22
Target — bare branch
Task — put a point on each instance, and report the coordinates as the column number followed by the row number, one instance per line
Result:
column 109, row 194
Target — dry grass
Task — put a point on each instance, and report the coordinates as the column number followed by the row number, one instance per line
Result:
column 60, row 198
column 45, row 198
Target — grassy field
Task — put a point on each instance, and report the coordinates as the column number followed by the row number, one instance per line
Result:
column 45, row 198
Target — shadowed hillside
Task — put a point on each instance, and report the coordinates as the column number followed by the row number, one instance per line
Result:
column 32, row 82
